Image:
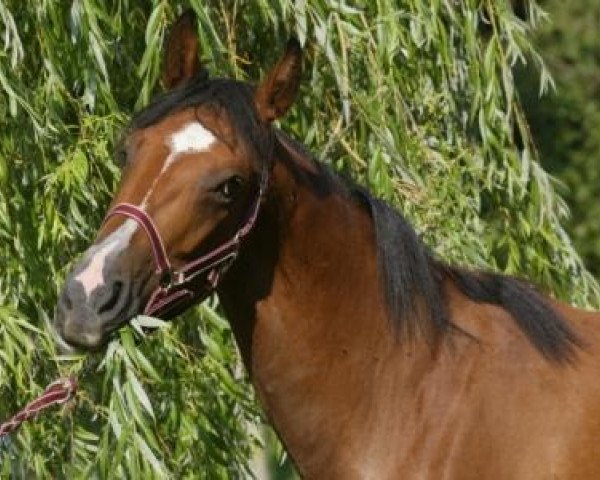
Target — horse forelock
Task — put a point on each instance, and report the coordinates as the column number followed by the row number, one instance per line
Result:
column 231, row 99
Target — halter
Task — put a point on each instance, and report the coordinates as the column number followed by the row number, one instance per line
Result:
column 176, row 287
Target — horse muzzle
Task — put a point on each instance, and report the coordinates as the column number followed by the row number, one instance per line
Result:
column 88, row 313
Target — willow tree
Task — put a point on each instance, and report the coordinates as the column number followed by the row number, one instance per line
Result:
column 414, row 99
column 565, row 122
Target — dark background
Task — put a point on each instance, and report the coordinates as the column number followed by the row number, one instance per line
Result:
column 566, row 123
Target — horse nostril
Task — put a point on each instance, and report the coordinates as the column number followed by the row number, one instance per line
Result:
column 114, row 298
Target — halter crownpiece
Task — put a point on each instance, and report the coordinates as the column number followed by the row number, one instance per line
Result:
column 178, row 288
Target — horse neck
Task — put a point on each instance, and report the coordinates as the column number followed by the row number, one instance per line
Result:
column 308, row 273
column 307, row 309
column 309, row 268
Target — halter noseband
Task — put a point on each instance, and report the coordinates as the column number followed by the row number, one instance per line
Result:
column 176, row 287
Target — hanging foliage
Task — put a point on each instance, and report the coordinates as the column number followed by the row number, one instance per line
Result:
column 415, row 99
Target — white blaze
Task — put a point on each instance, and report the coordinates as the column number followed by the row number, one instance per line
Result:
column 93, row 275
column 191, row 138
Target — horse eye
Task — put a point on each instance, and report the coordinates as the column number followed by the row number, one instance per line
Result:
column 121, row 158
column 229, row 189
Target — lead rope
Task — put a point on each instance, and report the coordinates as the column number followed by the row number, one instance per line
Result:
column 57, row 393
column 61, row 391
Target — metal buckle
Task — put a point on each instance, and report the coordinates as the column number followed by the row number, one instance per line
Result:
column 166, row 279
column 169, row 279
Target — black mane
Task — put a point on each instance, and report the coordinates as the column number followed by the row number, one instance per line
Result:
column 414, row 280
column 412, row 277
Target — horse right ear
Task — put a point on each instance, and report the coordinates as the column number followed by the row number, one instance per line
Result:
column 181, row 61
column 276, row 93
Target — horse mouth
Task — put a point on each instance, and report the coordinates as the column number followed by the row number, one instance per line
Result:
column 71, row 338
column 69, row 347
column 63, row 347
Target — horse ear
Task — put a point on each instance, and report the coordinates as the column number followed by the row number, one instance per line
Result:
column 181, row 61
column 277, row 91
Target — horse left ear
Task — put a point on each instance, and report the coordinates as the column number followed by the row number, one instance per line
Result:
column 276, row 93
column 181, row 61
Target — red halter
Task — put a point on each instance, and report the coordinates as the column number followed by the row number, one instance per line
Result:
column 175, row 287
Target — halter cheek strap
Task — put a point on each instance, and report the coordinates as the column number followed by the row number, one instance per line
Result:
column 180, row 288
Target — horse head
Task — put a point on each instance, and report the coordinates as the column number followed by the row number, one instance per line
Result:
column 195, row 170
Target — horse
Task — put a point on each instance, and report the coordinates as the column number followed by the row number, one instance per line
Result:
column 372, row 358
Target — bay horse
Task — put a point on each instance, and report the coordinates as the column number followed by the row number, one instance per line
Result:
column 372, row 358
